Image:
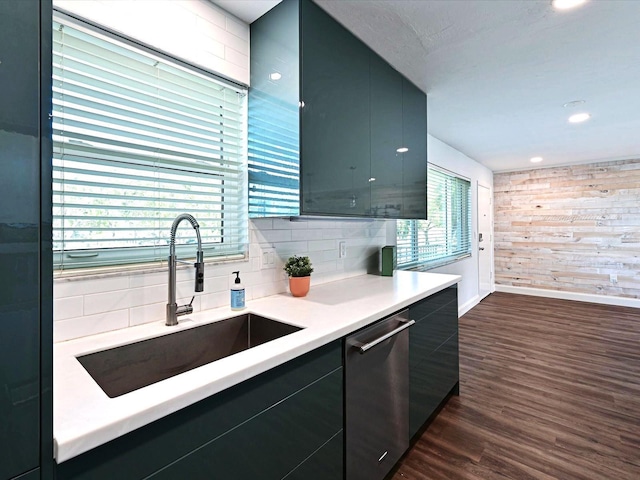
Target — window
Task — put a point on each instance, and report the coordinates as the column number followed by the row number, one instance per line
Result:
column 137, row 140
column 445, row 236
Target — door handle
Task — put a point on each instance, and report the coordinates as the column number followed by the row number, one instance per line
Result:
column 405, row 324
column 481, row 248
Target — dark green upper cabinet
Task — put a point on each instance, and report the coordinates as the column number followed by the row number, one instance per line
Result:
column 335, row 168
column 414, row 160
column 386, row 139
column 325, row 130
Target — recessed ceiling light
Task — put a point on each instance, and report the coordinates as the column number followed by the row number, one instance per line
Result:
column 573, row 103
column 536, row 159
column 579, row 117
column 566, row 4
column 402, row 150
column 275, row 76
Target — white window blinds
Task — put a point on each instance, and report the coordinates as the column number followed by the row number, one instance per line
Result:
column 138, row 140
column 446, row 235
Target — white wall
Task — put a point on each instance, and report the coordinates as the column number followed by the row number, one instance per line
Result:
column 442, row 155
column 193, row 30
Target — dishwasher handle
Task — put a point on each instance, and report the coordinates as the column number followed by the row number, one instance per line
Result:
column 367, row 346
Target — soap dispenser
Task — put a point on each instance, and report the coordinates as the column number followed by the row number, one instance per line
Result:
column 237, row 293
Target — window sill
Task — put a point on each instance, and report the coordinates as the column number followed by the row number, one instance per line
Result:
column 136, row 269
column 424, row 267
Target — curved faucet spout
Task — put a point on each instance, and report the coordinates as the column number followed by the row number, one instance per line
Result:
column 174, row 227
column 173, row 310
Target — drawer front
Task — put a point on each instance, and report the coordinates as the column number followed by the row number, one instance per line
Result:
column 272, row 444
column 433, row 303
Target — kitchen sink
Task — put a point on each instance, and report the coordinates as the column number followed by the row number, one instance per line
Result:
column 126, row 368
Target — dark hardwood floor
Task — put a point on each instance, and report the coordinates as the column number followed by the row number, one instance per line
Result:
column 549, row 389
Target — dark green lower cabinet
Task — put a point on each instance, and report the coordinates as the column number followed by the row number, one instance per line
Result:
column 264, row 428
column 272, row 444
column 433, row 355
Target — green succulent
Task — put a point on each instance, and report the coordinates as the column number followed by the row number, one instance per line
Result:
column 298, row 266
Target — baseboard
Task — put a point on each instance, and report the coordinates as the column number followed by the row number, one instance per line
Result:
column 462, row 309
column 580, row 297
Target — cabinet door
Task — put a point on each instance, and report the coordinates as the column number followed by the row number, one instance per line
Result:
column 273, row 141
column 386, row 137
column 433, row 354
column 431, row 381
column 334, row 150
column 414, row 160
column 19, row 234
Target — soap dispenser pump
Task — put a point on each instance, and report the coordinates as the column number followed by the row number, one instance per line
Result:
column 237, row 293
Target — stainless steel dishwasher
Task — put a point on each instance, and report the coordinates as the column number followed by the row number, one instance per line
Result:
column 377, row 397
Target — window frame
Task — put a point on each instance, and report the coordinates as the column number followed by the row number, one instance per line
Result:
column 416, row 261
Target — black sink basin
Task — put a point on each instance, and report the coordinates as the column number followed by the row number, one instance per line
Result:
column 129, row 367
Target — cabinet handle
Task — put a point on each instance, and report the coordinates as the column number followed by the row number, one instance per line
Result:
column 367, row 346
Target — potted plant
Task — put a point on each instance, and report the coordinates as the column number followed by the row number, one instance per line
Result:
column 299, row 270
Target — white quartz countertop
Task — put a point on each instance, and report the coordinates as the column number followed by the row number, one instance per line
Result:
column 84, row 417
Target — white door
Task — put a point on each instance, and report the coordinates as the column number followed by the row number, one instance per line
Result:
column 485, row 242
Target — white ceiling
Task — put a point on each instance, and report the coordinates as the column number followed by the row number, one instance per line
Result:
column 497, row 72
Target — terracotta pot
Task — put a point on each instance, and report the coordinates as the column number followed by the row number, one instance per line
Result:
column 299, row 286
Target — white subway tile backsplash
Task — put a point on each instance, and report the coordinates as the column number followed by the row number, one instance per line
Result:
column 212, row 46
column 286, row 249
column 217, row 284
column 235, row 57
column 329, row 255
column 69, row 307
column 90, row 325
column 307, row 234
column 204, row 10
column 266, row 224
column 319, row 245
column 93, row 305
column 107, row 301
column 335, row 233
column 183, row 28
column 156, row 312
column 237, row 28
column 147, row 280
column 239, row 44
column 286, row 223
column 151, row 294
column 215, row 300
column 266, row 289
column 75, row 286
column 271, row 236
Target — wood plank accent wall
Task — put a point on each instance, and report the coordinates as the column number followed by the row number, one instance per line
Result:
column 570, row 228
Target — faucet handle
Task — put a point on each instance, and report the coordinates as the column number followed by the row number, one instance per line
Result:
column 191, row 302
column 199, row 286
